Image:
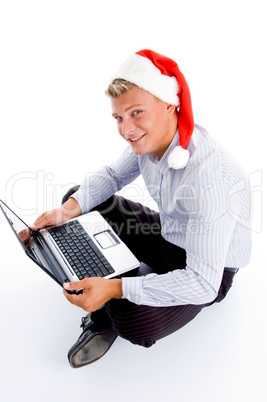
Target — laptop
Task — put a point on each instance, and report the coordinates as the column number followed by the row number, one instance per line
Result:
column 82, row 247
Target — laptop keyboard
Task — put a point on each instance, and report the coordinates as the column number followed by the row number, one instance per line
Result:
column 80, row 251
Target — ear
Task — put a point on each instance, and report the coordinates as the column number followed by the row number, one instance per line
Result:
column 171, row 108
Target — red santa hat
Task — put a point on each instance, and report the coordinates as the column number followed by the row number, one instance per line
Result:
column 161, row 76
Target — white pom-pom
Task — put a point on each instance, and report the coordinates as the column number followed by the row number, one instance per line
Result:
column 178, row 158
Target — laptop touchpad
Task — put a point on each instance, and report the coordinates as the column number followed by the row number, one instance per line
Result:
column 106, row 239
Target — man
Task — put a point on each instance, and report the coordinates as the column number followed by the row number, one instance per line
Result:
column 194, row 244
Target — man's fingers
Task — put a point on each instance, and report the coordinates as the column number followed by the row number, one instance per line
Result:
column 38, row 220
column 77, row 300
column 74, row 285
column 41, row 221
column 48, row 218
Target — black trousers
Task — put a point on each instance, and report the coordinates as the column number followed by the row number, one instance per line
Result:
column 139, row 227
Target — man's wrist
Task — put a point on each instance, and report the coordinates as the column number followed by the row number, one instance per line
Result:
column 116, row 288
column 71, row 209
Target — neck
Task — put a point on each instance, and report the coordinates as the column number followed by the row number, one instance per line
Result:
column 174, row 123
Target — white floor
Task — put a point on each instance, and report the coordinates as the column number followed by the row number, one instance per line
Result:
column 221, row 355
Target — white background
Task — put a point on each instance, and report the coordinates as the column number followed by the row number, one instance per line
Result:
column 55, row 124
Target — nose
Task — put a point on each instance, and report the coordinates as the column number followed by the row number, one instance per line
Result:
column 127, row 127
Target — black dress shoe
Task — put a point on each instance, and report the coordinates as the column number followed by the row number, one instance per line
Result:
column 93, row 343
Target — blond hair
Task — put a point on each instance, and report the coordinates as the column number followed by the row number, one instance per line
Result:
column 118, row 87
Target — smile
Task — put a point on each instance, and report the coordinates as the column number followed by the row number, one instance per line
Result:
column 137, row 138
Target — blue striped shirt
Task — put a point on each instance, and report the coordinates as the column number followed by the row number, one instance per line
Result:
column 205, row 208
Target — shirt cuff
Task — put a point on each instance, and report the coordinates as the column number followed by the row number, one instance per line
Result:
column 83, row 200
column 132, row 289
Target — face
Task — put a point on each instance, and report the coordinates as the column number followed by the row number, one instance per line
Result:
column 145, row 122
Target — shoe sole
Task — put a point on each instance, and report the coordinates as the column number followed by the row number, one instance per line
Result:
column 91, row 349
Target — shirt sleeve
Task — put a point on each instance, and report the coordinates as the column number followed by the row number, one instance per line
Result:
column 98, row 187
column 208, row 234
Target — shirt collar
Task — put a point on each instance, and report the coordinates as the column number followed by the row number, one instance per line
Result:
column 161, row 163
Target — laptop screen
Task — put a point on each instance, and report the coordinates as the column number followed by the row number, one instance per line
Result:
column 22, row 230
column 24, row 234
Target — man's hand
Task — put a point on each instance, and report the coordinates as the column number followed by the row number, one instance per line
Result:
column 96, row 292
column 68, row 210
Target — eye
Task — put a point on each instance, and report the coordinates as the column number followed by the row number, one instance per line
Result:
column 136, row 112
column 118, row 118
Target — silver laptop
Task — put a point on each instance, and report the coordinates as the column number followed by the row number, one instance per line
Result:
column 81, row 247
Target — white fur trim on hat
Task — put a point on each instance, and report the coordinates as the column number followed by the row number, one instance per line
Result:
column 178, row 158
column 142, row 72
